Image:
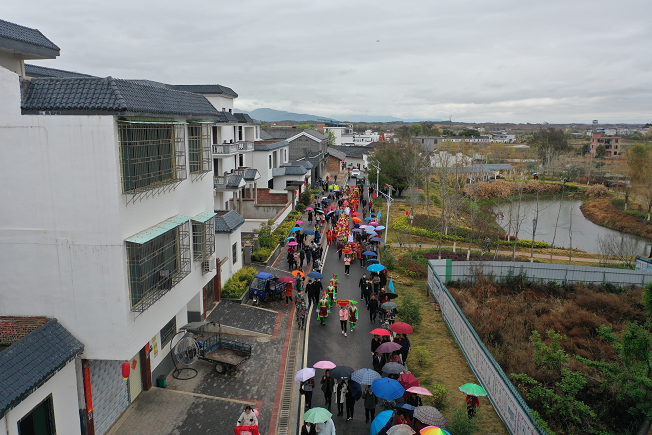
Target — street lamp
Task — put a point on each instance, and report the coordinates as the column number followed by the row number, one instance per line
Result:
column 377, row 174
column 534, row 230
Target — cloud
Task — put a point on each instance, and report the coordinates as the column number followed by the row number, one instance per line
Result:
column 501, row 61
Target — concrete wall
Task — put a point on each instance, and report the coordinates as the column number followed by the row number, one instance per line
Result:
column 260, row 161
column 62, row 242
column 220, row 102
column 63, row 387
column 224, row 249
column 12, row 62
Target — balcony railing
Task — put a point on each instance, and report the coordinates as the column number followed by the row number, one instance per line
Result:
column 219, row 182
column 232, row 148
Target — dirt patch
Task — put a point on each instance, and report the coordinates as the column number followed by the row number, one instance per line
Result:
column 600, row 211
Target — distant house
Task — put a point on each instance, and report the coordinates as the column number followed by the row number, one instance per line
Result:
column 356, row 156
column 611, row 144
column 335, row 160
column 19, row 43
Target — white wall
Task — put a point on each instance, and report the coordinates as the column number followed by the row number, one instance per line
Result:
column 13, row 62
column 62, row 242
column 224, row 243
column 164, row 352
column 220, row 101
column 63, row 387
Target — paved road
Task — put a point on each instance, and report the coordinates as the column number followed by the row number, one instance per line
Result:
column 328, row 343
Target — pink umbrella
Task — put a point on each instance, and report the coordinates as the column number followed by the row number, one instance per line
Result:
column 309, row 208
column 299, row 222
column 374, row 224
column 324, row 365
column 419, row 390
column 292, row 244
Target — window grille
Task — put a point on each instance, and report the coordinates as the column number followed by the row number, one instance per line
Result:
column 168, row 331
column 203, row 239
column 156, row 266
column 200, row 154
column 153, row 157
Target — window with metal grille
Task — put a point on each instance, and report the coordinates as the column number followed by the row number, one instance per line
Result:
column 199, row 148
column 234, row 252
column 168, row 331
column 203, row 239
column 152, row 155
column 156, row 266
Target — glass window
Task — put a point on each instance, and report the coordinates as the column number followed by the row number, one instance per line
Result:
column 199, row 150
column 40, row 420
column 168, row 331
column 234, row 252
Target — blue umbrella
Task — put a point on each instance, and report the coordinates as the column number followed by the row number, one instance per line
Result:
column 387, row 388
column 309, row 232
column 327, row 200
column 296, row 229
column 381, row 421
column 370, row 229
column 316, row 275
column 377, row 239
column 373, row 214
column 368, row 218
column 375, row 268
column 365, row 376
column 371, row 253
column 406, row 407
column 380, row 227
column 372, row 261
column 290, row 238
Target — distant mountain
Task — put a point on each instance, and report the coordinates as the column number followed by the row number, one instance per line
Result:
column 273, row 115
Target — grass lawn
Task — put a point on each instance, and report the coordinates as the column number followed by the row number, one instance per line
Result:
column 448, row 365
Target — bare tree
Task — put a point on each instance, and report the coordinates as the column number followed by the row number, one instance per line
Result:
column 554, row 234
column 614, row 248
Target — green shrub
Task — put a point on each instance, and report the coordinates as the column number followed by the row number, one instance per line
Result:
column 389, row 259
column 636, row 213
column 265, row 238
column 300, row 207
column 409, row 311
column 238, row 283
column 618, row 203
column 439, row 394
column 421, row 355
column 261, row 254
column 461, row 424
column 305, row 197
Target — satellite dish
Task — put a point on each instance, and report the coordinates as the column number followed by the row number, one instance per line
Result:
column 184, row 353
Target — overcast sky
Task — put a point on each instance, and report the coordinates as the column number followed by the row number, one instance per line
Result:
column 553, row 61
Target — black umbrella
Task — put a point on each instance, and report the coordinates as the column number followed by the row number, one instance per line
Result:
column 342, row 372
column 389, row 295
column 356, row 390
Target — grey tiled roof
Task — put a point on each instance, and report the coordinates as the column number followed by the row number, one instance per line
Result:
column 286, row 133
column 294, row 169
column 305, row 163
column 270, row 146
column 244, row 118
column 109, row 96
column 33, row 360
column 354, row 151
column 340, row 155
column 25, row 35
column 226, row 117
column 265, row 136
column 227, row 221
column 42, row 71
column 205, row 89
column 250, row 174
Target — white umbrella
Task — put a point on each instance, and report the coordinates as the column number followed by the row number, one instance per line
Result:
column 304, row 374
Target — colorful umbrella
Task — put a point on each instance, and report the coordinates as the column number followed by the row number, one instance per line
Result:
column 298, row 273
column 370, row 253
column 309, row 208
column 330, row 212
column 317, row 415
column 368, row 218
column 381, row 421
column 355, row 213
column 304, row 374
column 324, row 365
column 375, row 268
column 419, row 390
column 388, row 347
column 408, row 380
column 296, row 229
column 290, row 238
column 356, row 220
column 394, row 368
column 374, row 224
column 387, row 305
column 292, row 244
column 317, row 275
column 473, row 390
column 387, row 388
column 380, row 331
column 377, row 239
column 342, row 372
column 400, row 327
column 309, row 232
column 380, row 227
column 429, row 415
column 356, row 230
column 298, row 222
column 286, row 279
column 433, row 430
column 401, row 429
column 365, row 376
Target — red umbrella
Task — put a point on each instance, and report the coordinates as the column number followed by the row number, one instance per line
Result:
column 408, row 380
column 286, row 279
column 401, row 328
column 356, row 214
column 380, row 331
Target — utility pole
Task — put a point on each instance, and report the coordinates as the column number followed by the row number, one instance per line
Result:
column 377, row 175
column 389, row 201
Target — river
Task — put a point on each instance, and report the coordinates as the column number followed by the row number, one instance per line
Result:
column 584, row 232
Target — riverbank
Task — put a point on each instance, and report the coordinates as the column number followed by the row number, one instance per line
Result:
column 602, row 212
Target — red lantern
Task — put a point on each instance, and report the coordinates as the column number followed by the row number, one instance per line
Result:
column 126, row 368
column 407, row 212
